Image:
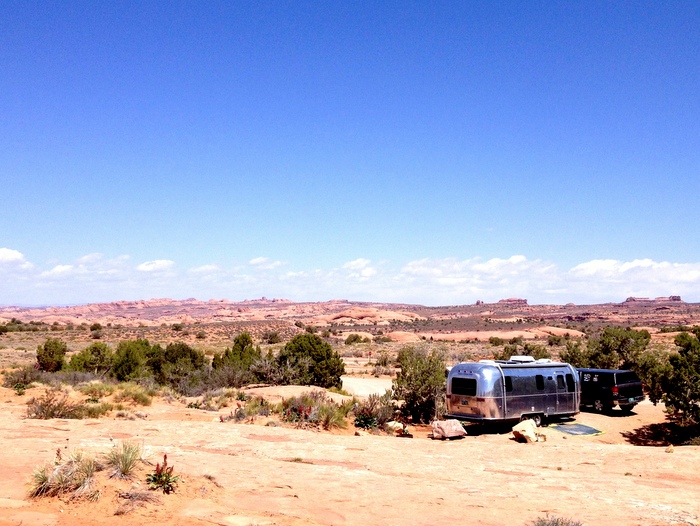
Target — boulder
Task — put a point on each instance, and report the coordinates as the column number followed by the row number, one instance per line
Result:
column 447, row 429
column 526, row 431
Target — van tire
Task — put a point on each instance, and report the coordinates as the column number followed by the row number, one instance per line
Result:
column 599, row 406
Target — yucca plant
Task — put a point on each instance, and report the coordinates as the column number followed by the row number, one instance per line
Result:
column 124, row 458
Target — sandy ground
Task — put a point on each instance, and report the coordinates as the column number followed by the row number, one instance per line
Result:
column 243, row 474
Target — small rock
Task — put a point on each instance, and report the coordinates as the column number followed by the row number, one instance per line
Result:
column 669, row 449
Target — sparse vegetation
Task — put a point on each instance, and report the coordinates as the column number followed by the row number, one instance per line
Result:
column 554, row 521
column 74, row 476
column 162, row 477
column 123, row 459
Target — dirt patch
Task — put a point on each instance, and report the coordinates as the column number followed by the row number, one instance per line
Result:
column 254, row 474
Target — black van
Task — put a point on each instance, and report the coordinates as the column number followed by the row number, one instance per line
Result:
column 603, row 389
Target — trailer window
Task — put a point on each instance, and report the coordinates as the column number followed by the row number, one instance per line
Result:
column 560, row 381
column 464, row 386
column 539, row 379
column 570, row 385
column 509, row 383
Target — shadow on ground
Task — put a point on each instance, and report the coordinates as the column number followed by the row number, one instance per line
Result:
column 663, row 434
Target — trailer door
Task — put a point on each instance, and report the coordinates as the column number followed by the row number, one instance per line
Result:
column 566, row 393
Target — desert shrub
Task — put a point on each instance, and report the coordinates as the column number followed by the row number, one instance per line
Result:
column 123, row 459
column 162, row 477
column 201, row 335
column 22, row 377
column 96, row 327
column 73, row 476
column 554, row 521
column 51, row 355
column 313, row 408
column 496, row 341
column 241, row 354
column 382, row 339
column 681, row 384
column 97, row 390
column 554, row 339
column 354, row 338
column 383, row 359
column 375, row 411
column 134, row 393
column 313, row 360
column 97, row 359
column 95, row 410
column 268, row 370
column 617, row 348
column 330, row 416
column 54, row 404
column 272, row 337
column 170, row 365
column 338, row 390
column 230, row 375
column 130, row 359
column 257, row 406
column 574, row 354
column 420, row 382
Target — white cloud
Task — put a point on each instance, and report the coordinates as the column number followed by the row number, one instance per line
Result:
column 13, row 258
column 58, row 270
column 264, row 263
column 360, row 269
column 157, row 265
column 205, row 269
column 430, row 281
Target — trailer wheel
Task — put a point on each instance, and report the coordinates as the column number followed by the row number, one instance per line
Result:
column 537, row 419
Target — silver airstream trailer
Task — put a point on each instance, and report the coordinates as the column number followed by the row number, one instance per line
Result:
column 515, row 389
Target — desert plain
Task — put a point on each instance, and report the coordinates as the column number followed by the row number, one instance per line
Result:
column 252, row 473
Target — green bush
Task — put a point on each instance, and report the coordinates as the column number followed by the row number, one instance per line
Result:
column 130, row 359
column 355, row 338
column 97, row 359
column 420, row 383
column 51, row 355
column 681, row 385
column 312, row 361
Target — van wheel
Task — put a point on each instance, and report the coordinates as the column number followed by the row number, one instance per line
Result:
column 598, row 406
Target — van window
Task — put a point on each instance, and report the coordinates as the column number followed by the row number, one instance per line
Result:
column 539, row 379
column 560, row 382
column 509, row 384
column 464, row 386
column 570, row 385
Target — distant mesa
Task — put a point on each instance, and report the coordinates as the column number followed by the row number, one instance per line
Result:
column 513, row 301
column 662, row 299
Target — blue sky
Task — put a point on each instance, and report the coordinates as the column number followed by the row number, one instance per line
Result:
column 422, row 152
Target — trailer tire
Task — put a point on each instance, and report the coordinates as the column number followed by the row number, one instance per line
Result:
column 537, row 419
